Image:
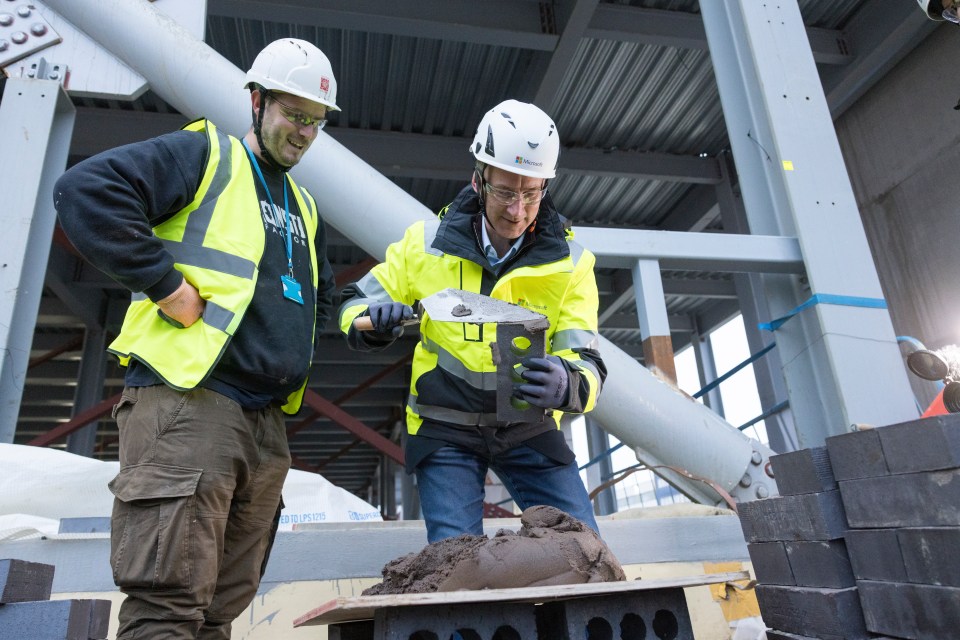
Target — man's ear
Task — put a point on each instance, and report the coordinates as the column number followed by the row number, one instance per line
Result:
column 473, row 182
column 256, row 100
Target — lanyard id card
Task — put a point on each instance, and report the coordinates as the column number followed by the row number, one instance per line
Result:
column 291, row 289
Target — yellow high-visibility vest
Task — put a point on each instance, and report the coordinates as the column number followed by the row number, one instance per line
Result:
column 217, row 242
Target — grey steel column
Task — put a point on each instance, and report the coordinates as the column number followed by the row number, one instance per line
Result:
column 598, row 442
column 93, row 365
column 707, row 370
column 841, row 362
column 36, row 122
column 767, row 370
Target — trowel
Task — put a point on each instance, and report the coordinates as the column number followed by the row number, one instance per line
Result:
column 457, row 305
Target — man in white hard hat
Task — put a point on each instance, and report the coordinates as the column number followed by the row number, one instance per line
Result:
column 225, row 257
column 503, row 237
column 941, row 9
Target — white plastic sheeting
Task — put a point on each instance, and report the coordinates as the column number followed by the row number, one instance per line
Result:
column 39, row 486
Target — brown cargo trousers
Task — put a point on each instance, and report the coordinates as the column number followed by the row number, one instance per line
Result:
column 196, row 508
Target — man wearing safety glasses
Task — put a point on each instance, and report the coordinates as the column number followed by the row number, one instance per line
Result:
column 941, row 10
column 502, row 237
column 226, row 259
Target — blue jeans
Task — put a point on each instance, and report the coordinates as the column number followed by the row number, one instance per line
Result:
column 451, row 480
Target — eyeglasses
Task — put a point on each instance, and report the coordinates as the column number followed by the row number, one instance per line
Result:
column 298, row 117
column 507, row 197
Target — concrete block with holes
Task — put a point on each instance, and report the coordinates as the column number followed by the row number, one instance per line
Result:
column 475, row 621
column 660, row 613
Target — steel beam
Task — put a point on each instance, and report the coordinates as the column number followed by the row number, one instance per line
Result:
column 36, row 119
column 841, row 362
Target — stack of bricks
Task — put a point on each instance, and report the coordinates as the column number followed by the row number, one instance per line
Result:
column 26, row 610
column 863, row 541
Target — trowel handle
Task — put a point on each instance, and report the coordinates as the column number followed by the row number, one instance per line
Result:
column 364, row 323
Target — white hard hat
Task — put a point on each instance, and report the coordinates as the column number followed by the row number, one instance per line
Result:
column 296, row 67
column 518, row 137
column 933, row 9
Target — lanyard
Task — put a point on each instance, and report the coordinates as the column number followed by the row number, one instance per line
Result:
column 288, row 241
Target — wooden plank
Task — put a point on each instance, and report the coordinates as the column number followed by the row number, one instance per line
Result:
column 348, row 608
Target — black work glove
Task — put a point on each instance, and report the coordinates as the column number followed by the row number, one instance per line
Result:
column 388, row 316
column 546, row 382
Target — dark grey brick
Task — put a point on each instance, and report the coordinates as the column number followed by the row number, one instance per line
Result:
column 916, row 611
column 776, row 634
column 930, row 555
column 822, row 563
column 856, row 455
column 811, row 516
column 55, row 620
column 929, row 444
column 770, row 563
column 827, row 614
column 875, row 555
column 22, row 581
column 930, row 498
column 803, row 471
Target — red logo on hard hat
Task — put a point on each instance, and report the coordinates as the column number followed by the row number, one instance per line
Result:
column 324, row 84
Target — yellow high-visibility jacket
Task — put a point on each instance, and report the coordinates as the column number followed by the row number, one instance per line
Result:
column 218, row 252
column 454, row 378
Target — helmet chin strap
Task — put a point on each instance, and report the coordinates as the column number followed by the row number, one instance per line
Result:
column 257, row 130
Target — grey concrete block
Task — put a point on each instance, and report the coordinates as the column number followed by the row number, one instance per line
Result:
column 916, row 611
column 803, row 471
column 660, row 613
column 509, row 619
column 770, row 563
column 811, row 516
column 929, row 444
column 827, row 614
column 55, row 620
column 821, row 563
column 930, row 555
column 22, row 581
column 856, row 455
column 930, row 498
column 360, row 630
column 875, row 555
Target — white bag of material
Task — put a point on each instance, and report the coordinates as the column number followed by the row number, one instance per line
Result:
column 39, row 485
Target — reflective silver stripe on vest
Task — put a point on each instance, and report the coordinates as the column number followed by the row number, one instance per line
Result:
column 190, row 250
column 576, row 251
column 216, row 316
column 575, row 340
column 306, row 200
column 213, row 314
column 453, row 366
column 372, row 290
column 586, row 364
column 452, row 415
column 430, row 228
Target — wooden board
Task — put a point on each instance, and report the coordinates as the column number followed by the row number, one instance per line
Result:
column 346, row 609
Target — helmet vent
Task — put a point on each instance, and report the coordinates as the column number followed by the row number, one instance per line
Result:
column 533, row 145
column 508, row 118
column 489, row 148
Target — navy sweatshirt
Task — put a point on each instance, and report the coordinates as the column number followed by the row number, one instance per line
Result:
column 108, row 205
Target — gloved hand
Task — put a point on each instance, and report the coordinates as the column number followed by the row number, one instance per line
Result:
column 387, row 316
column 547, row 382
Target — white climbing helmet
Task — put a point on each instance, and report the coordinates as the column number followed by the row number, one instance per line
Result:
column 296, row 67
column 518, row 137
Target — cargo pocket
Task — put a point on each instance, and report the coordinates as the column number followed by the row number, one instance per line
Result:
column 154, row 517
